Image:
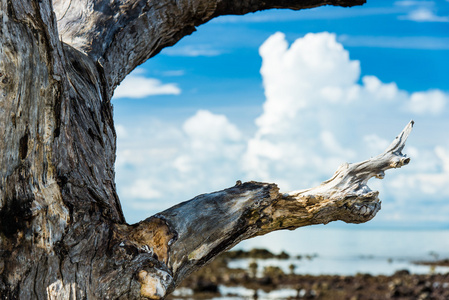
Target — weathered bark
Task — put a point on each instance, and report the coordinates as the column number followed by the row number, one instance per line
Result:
column 209, row 224
column 62, row 231
column 120, row 35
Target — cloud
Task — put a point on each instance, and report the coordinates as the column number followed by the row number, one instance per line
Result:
column 422, row 11
column 209, row 128
column 376, row 143
column 120, row 130
column 432, row 102
column 414, row 3
column 212, row 142
column 423, row 14
column 142, row 189
column 319, row 13
column 136, row 85
column 397, row 42
column 288, row 90
column 432, row 185
column 174, row 73
column 164, row 164
column 192, row 51
column 302, row 84
column 318, row 113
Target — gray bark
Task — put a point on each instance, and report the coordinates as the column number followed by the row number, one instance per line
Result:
column 62, row 231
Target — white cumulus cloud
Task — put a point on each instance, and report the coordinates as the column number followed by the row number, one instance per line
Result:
column 165, row 164
column 142, row 189
column 136, row 85
column 318, row 113
column 431, row 184
column 212, row 146
column 209, row 128
column 431, row 102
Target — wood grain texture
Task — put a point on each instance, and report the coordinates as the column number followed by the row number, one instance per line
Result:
column 62, row 231
column 120, row 35
column 212, row 223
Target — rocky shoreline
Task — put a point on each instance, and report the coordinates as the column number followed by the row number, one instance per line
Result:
column 206, row 283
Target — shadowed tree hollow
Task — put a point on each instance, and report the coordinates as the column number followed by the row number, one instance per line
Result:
column 62, row 231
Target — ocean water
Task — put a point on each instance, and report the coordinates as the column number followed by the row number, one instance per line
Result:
column 351, row 251
column 338, row 251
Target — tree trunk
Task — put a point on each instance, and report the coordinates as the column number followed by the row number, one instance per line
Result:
column 62, row 231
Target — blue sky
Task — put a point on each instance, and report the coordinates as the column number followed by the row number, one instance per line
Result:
column 287, row 96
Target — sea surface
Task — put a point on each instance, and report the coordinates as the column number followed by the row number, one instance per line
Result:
column 336, row 251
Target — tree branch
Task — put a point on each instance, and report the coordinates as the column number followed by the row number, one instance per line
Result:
column 209, row 224
column 121, row 35
column 62, row 231
column 346, row 196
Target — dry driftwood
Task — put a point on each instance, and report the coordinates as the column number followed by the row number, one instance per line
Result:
column 62, row 231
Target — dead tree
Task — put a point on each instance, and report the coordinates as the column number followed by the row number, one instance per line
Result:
column 62, row 231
